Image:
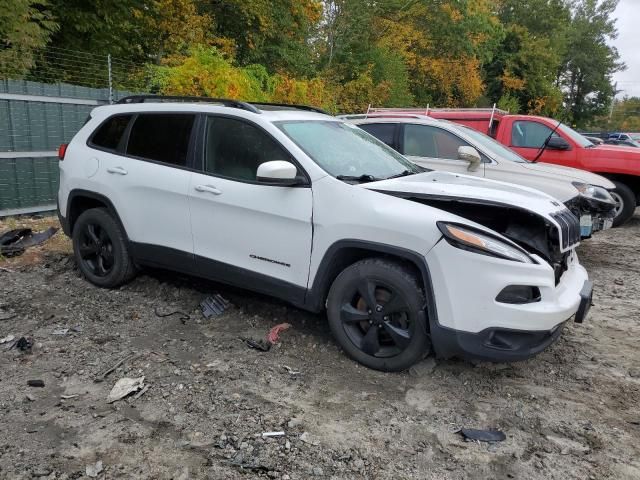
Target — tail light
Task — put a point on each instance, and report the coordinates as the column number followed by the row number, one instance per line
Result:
column 62, row 150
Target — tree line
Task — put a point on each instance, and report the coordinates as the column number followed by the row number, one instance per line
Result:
column 550, row 57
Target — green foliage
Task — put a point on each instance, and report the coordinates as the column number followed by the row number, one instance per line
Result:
column 532, row 56
column 590, row 61
column 25, row 27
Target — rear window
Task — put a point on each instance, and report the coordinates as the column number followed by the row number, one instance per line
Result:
column 161, row 137
column 108, row 135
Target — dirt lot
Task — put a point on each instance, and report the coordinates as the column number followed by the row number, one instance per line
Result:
column 572, row 412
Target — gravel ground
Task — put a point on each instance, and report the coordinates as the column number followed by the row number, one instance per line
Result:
column 571, row 412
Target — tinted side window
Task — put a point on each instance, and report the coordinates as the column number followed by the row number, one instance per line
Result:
column 529, row 134
column 425, row 141
column 162, row 137
column 384, row 132
column 235, row 149
column 108, row 135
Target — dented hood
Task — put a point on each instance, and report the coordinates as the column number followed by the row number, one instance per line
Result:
column 562, row 174
column 445, row 185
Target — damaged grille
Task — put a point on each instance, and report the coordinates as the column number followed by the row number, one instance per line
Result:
column 569, row 226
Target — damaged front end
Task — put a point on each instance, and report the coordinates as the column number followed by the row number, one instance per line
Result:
column 595, row 214
column 532, row 232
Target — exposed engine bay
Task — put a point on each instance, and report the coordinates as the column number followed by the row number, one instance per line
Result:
column 532, row 232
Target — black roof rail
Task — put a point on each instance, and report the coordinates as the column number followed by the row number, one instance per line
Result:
column 291, row 106
column 175, row 98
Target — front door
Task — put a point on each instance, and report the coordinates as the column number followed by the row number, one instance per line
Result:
column 244, row 232
column 527, row 138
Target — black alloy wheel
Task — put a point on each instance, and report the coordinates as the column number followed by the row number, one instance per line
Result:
column 96, row 250
column 375, row 309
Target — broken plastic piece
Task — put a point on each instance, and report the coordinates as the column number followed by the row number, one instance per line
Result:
column 7, row 339
column 15, row 242
column 472, row 434
column 272, row 434
column 23, row 344
column 94, row 470
column 274, row 334
column 35, row 383
column 124, row 387
column 262, row 345
column 183, row 316
column 213, row 305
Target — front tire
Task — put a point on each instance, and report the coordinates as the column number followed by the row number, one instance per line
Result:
column 625, row 203
column 375, row 311
column 101, row 249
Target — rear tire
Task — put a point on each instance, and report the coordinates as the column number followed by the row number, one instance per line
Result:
column 375, row 311
column 626, row 203
column 101, row 249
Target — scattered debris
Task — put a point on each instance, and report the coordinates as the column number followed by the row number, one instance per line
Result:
column 61, row 331
column 30, row 397
column 23, row 344
column 213, row 305
column 634, row 372
column 124, row 387
column 15, row 242
column 6, row 315
column 471, row 434
column 274, row 334
column 306, row 438
column 262, row 345
column 3, row 269
column 94, row 470
column 141, row 392
column 254, row 467
column 101, row 377
column 272, row 434
column 618, row 281
column 423, row 368
column 290, row 370
column 68, row 397
column 35, row 383
column 7, row 339
column 183, row 316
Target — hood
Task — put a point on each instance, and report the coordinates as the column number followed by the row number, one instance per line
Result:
column 445, row 185
column 567, row 174
column 617, row 149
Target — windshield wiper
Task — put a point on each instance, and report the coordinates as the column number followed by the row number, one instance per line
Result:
column 364, row 178
column 546, row 142
column 401, row 174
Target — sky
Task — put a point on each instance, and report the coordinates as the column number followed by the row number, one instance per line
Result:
column 628, row 45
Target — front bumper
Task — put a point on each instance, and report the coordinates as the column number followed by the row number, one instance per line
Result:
column 472, row 324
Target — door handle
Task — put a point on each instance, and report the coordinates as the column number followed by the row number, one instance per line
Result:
column 117, row 170
column 208, row 189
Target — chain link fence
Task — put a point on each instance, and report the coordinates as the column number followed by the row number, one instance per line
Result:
column 46, row 107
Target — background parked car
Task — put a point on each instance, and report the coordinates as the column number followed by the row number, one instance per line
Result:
column 440, row 145
column 527, row 135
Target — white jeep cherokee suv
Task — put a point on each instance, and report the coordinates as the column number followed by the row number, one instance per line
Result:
column 290, row 202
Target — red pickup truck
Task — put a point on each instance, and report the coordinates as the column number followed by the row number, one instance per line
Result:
column 527, row 134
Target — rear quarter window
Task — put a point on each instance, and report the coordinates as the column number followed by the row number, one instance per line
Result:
column 108, row 135
column 161, row 137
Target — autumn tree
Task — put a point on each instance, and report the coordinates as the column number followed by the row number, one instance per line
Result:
column 590, row 60
column 25, row 28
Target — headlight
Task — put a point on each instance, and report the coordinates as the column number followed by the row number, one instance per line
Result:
column 593, row 191
column 468, row 239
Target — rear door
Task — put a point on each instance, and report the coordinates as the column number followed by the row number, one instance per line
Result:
column 148, row 175
column 434, row 148
column 244, row 232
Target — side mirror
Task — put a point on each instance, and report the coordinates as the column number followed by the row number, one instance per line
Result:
column 558, row 143
column 471, row 155
column 278, row 172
